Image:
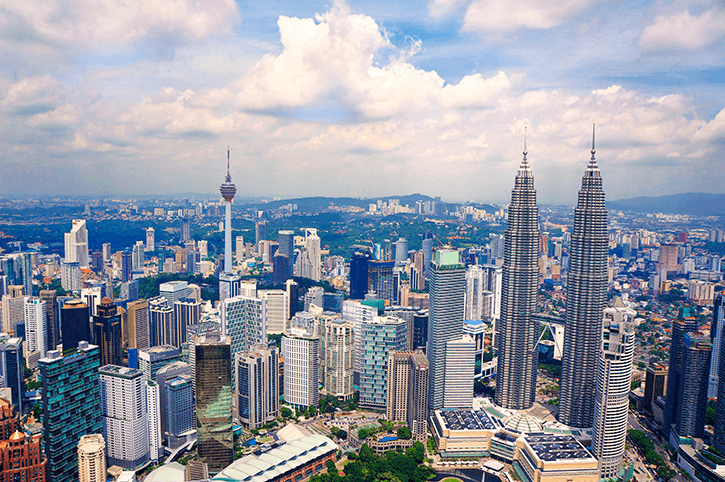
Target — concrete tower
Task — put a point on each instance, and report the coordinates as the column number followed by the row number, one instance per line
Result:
column 228, row 282
column 517, row 331
column 586, row 297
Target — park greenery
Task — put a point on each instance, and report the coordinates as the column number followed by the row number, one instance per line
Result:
column 395, row 466
column 640, row 439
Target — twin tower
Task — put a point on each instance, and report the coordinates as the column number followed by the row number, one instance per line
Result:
column 586, row 298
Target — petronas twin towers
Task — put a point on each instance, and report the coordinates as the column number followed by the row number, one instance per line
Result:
column 586, row 297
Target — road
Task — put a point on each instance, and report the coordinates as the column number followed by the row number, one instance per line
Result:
column 639, row 458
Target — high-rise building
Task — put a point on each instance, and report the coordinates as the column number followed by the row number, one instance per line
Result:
column 137, row 316
column 71, row 406
column 75, row 323
column 358, row 275
column 151, row 360
column 357, row 313
column 427, row 248
column 585, row 300
column 187, row 312
column 614, row 377
column 379, row 336
column 717, row 334
column 52, row 317
column 277, row 310
column 21, row 457
column 169, row 372
column 106, row 252
column 107, row 332
column 150, row 239
column 312, row 242
column 92, row 458
column 244, row 320
column 479, row 301
column 126, row 265
column 408, row 380
column 213, row 385
column 36, row 326
column 517, row 331
column 401, row 251
column 70, row 275
column 153, row 410
column 260, row 233
column 690, row 416
column 459, row 372
column 339, row 358
column 16, row 267
column 257, row 381
column 286, row 241
column 185, row 228
column 280, row 268
column 76, row 243
column 161, row 323
column 680, row 328
column 301, row 354
column 11, row 366
column 92, row 297
column 173, row 291
column 125, row 416
column 381, row 279
column 447, row 288
column 239, row 253
column 179, row 409
column 655, row 384
column 13, row 311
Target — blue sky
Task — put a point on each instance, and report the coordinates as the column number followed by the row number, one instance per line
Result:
column 360, row 98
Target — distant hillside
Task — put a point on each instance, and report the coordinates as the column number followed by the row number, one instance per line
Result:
column 317, row 203
column 692, row 203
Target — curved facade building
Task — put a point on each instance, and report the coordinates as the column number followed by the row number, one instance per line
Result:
column 586, row 297
column 517, row 331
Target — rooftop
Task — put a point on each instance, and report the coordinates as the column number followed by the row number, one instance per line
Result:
column 557, row 447
column 467, row 420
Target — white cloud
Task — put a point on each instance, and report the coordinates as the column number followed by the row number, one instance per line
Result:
column 475, row 91
column 31, row 95
column 114, row 23
column 503, row 15
column 683, row 31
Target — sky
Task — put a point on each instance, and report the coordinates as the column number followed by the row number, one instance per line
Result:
column 360, row 98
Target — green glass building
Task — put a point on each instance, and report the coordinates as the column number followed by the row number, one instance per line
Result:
column 71, row 407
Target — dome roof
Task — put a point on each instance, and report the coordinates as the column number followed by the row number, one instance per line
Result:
column 523, row 424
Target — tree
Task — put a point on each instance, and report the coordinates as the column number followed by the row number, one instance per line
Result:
column 405, row 433
column 286, row 412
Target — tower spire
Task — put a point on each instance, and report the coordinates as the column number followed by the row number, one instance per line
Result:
column 525, row 162
column 593, row 150
column 525, row 151
column 229, row 176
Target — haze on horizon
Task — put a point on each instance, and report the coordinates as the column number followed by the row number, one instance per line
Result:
column 360, row 99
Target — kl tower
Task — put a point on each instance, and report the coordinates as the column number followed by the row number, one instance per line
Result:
column 228, row 281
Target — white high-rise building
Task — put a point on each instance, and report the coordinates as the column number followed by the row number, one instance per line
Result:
column 150, row 239
column 153, row 410
column 203, row 246
column 480, row 303
column 339, row 358
column 36, row 326
column 458, row 381
column 614, row 377
column 277, row 310
column 358, row 313
column 92, row 458
column 70, row 275
column 239, row 252
column 173, row 291
column 313, row 251
column 301, row 353
column 76, row 243
column 244, row 320
column 716, row 334
column 248, row 288
column 125, row 416
column 106, row 252
column 92, row 297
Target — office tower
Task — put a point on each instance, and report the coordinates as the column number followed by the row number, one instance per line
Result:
column 161, row 323
column 257, row 381
column 13, row 311
column 97, row 264
column 301, row 354
column 447, row 287
column 655, row 384
column 459, row 372
column 137, row 313
column 239, row 251
column 586, row 297
column 680, row 328
column 92, row 458
column 185, row 225
column 173, row 291
column 124, row 415
column 126, row 265
column 75, row 324
column 381, row 280
column 280, row 268
column 358, row 275
column 52, row 317
column 717, row 333
column 314, row 296
column 286, row 247
column 76, row 243
column 106, row 252
column 248, row 289
column 668, row 259
column 138, row 256
column 357, row 313
column 213, row 385
column 379, row 336
column 303, row 264
column 151, row 360
column 407, row 400
column 153, row 410
column 16, row 267
column 614, row 378
column 498, row 247
column 92, row 297
column 179, row 407
column 150, row 239
column 71, row 406
column 11, row 366
column 187, row 312
column 244, row 320
column 70, row 275
column 690, row 416
column 292, row 289
column 401, row 251
column 517, row 332
column 479, row 301
column 277, row 310
column 420, row 330
column 107, row 332
column 492, row 276
column 312, row 242
column 427, row 248
column 476, row 329
column 169, row 372
column 260, row 232
column 36, row 327
column 339, row 358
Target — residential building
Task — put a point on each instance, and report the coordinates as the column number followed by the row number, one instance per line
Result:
column 257, row 382
column 459, row 371
column 339, row 357
column 301, row 354
column 277, row 310
column 408, row 380
column 92, row 458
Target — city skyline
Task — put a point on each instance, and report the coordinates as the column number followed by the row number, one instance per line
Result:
column 432, row 96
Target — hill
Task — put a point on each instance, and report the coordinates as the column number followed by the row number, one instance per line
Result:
column 692, row 203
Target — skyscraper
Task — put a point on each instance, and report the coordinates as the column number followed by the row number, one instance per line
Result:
column 339, row 353
column 614, row 377
column 260, row 233
column 312, row 241
column 52, row 316
column 379, row 337
column 150, row 239
column 381, row 279
column 107, row 332
column 244, row 320
column 286, row 247
column 717, row 334
column 36, row 328
column 179, row 410
column 447, row 288
column 213, row 385
column 301, row 353
column 71, row 407
column 459, row 373
column 677, row 349
column 228, row 281
column 257, row 380
column 586, row 298
column 407, row 400
column 11, row 366
column 126, row 265
column 75, row 323
column 690, row 416
column 137, row 316
column 76, row 243
column 518, row 332
column 358, row 275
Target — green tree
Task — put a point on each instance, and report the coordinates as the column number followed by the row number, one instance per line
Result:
column 404, row 433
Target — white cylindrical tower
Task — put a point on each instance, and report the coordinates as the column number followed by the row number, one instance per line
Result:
column 228, row 190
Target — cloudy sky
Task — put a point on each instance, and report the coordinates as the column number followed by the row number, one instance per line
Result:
column 361, row 98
